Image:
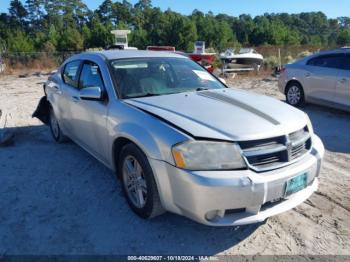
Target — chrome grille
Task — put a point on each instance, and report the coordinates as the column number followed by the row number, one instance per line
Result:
column 301, row 143
column 298, row 150
column 267, row 154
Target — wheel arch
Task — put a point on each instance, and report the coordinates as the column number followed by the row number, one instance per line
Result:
column 154, row 138
column 117, row 147
column 138, row 136
column 290, row 82
column 298, row 83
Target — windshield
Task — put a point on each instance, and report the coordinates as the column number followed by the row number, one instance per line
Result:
column 139, row 77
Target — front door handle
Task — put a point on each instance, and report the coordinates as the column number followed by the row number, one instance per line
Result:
column 57, row 89
column 343, row 80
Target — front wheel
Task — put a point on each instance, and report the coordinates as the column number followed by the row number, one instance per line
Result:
column 138, row 182
column 56, row 131
column 295, row 94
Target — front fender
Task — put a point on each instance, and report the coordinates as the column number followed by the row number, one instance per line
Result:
column 153, row 136
column 155, row 147
column 139, row 136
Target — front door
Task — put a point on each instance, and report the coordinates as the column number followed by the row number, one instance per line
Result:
column 321, row 76
column 88, row 117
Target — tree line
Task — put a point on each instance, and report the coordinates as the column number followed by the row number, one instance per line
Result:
column 69, row 25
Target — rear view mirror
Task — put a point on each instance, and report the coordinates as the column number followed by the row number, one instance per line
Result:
column 91, row 93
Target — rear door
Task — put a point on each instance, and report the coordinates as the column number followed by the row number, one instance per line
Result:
column 343, row 83
column 88, row 117
column 321, row 76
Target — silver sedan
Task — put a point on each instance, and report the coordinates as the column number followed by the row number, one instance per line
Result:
column 323, row 78
column 180, row 140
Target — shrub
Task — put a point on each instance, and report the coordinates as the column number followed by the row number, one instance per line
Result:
column 288, row 59
column 304, row 54
column 271, row 62
column 210, row 50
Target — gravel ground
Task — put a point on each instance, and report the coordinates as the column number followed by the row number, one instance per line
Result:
column 57, row 199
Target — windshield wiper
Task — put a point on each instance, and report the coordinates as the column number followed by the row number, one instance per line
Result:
column 201, row 89
column 144, row 95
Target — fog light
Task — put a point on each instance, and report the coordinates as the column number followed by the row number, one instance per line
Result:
column 245, row 181
column 211, row 215
column 214, row 214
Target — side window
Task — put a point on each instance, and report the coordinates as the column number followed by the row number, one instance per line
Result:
column 70, row 74
column 90, row 76
column 315, row 61
column 346, row 62
column 329, row 61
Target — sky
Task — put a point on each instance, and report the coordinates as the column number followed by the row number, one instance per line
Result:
column 332, row 8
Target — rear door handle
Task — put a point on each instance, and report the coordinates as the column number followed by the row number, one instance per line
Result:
column 307, row 74
column 75, row 99
column 343, row 80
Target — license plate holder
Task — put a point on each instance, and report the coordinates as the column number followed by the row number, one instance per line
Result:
column 295, row 184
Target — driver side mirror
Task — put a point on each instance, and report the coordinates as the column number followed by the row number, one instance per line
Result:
column 91, row 93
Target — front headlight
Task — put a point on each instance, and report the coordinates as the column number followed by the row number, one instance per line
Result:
column 309, row 125
column 207, row 155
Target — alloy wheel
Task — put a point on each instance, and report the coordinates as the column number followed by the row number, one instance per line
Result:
column 134, row 181
column 294, row 95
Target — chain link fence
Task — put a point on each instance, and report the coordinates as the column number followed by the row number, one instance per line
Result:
column 28, row 61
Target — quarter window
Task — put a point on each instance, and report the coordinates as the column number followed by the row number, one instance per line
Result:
column 70, row 74
column 329, row 61
column 90, row 76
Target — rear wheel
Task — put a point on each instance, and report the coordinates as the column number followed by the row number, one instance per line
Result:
column 295, row 94
column 138, row 182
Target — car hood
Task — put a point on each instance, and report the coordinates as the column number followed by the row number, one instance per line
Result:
column 224, row 114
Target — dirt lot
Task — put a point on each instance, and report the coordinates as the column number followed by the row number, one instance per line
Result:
column 57, row 199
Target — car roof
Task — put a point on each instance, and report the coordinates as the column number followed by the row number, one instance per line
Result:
column 120, row 54
column 334, row 51
column 341, row 50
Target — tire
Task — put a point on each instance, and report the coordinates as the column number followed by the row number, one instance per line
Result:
column 139, row 186
column 295, row 94
column 56, row 131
